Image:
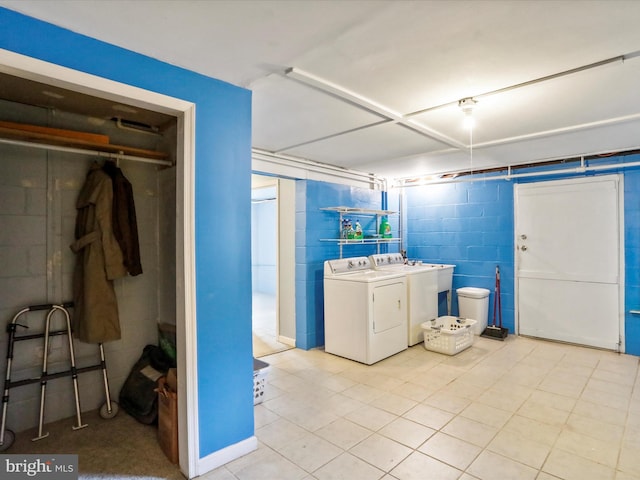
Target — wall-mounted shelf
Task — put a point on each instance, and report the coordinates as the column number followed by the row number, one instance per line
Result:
column 368, row 238
column 75, row 142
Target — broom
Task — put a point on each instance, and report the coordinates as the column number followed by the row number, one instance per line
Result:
column 496, row 331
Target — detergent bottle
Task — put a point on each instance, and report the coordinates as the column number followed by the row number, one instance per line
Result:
column 385, row 228
column 358, row 231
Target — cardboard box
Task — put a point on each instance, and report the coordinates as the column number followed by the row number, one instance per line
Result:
column 172, row 379
column 168, row 420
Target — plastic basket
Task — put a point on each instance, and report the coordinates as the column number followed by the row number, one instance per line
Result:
column 260, row 369
column 448, row 335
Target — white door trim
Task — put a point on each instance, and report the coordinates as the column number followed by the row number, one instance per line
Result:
column 33, row 69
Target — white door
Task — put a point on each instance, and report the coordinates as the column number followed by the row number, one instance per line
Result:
column 568, row 263
column 389, row 306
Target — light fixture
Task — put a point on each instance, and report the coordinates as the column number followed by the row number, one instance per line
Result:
column 467, row 105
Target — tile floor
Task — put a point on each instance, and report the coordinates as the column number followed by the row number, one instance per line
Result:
column 265, row 341
column 520, row 409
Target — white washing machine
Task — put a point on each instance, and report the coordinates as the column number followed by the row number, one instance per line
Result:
column 365, row 310
column 422, row 291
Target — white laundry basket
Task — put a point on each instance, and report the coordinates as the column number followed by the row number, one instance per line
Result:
column 448, row 334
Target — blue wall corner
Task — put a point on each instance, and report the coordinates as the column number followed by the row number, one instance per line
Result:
column 222, row 210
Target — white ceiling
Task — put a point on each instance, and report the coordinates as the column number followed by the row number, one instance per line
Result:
column 374, row 85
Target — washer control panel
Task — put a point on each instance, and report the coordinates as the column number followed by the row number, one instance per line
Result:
column 346, row 265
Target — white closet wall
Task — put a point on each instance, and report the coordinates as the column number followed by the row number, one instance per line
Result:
column 38, row 190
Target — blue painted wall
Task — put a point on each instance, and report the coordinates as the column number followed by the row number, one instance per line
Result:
column 314, row 224
column 471, row 225
column 222, row 210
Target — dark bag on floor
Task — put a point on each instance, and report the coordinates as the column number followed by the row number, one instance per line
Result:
column 138, row 396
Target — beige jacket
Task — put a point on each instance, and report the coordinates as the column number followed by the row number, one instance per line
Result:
column 99, row 261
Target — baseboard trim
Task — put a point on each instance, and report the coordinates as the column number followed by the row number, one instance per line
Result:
column 287, row 341
column 227, row 454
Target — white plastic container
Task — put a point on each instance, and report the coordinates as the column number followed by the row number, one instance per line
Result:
column 473, row 303
column 448, row 335
column 260, row 370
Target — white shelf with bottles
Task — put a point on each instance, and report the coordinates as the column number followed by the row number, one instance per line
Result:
column 367, row 238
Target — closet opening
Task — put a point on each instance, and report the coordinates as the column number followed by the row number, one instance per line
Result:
column 46, row 152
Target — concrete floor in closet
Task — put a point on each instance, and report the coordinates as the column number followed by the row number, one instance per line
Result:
column 519, row 409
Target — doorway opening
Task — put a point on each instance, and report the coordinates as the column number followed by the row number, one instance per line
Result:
column 272, row 264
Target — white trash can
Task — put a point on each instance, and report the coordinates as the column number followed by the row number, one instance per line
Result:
column 473, row 303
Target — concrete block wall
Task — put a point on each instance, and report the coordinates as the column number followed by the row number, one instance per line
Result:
column 313, row 225
column 469, row 225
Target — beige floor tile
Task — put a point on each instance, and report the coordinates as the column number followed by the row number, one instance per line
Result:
column 220, row 473
column 447, row 401
column 279, row 433
column 625, row 476
column 310, row 452
column 450, row 450
column 517, row 409
column 381, row 452
column 534, row 430
column 419, row 466
column 363, row 393
column 342, row 405
column 263, row 416
column 595, row 428
column 600, row 412
column 407, row 432
column 370, row 417
column 563, row 384
column 604, row 398
column 491, row 466
column 343, row 433
column 619, row 377
column 554, row 400
column 599, row 451
column 464, row 389
column 473, row 432
column 494, row 417
column 429, row 416
column 414, row 391
column 519, row 448
column 569, row 466
column 347, row 467
column 270, row 465
column 543, row 413
column 394, row 403
column 629, row 461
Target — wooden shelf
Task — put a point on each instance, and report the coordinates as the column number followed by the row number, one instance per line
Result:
column 72, row 139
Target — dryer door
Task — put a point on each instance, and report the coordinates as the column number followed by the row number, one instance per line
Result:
column 389, row 309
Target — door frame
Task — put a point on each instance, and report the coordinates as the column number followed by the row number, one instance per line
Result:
column 186, row 346
column 285, row 254
column 619, row 178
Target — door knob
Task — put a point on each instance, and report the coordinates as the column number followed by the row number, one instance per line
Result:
column 523, row 248
column 523, row 236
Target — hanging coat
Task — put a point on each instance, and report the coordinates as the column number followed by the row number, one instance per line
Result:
column 125, row 227
column 98, row 262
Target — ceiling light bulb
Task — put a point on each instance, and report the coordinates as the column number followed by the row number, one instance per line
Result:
column 469, row 122
column 467, row 105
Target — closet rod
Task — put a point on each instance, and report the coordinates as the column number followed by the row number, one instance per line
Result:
column 97, row 153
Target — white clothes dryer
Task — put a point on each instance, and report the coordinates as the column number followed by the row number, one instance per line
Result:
column 422, row 291
column 365, row 310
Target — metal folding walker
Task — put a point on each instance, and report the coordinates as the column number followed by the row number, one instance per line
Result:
column 108, row 410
